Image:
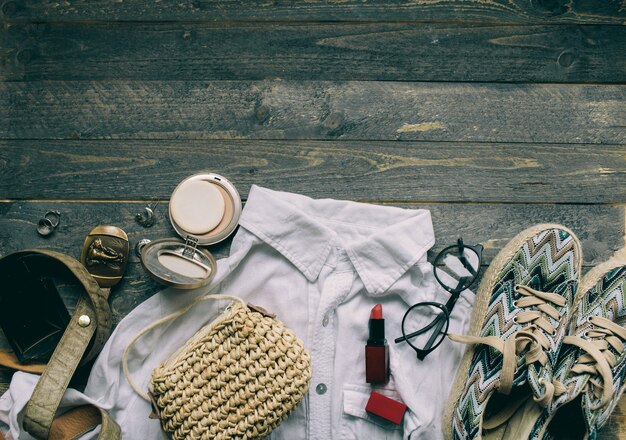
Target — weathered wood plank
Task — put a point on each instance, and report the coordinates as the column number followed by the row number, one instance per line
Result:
column 313, row 110
column 560, row 11
column 5, row 380
column 360, row 170
column 319, row 51
column 616, row 427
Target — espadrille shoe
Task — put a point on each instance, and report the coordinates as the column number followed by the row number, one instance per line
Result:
column 590, row 376
column 520, row 314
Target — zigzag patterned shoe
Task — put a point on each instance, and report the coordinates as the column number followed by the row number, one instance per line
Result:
column 518, row 323
column 590, row 376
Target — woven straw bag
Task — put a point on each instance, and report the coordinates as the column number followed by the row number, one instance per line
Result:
column 238, row 377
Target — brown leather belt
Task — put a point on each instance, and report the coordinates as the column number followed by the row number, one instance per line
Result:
column 84, row 337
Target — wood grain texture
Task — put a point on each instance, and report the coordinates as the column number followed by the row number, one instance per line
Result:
column 318, row 51
column 615, row 429
column 600, row 228
column 5, row 377
column 387, row 171
column 543, row 11
column 313, row 110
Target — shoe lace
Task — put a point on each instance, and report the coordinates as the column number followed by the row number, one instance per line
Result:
column 534, row 335
column 598, row 359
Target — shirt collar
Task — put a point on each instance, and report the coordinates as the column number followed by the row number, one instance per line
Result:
column 382, row 242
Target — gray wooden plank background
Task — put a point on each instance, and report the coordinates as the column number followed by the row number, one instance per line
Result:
column 320, row 51
column 493, row 115
column 356, row 110
column 517, row 11
column 358, row 170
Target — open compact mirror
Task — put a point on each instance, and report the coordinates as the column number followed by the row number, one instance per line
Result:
column 204, row 209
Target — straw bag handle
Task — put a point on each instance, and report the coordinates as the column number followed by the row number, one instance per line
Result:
column 160, row 322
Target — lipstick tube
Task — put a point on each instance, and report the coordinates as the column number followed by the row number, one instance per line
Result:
column 377, row 350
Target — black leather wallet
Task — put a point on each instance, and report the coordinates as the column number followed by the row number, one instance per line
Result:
column 32, row 313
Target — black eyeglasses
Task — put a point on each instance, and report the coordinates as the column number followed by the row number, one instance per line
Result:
column 456, row 268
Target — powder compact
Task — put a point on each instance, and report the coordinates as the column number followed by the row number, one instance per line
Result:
column 204, row 209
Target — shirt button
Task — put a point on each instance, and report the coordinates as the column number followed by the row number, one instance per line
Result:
column 325, row 320
column 321, row 389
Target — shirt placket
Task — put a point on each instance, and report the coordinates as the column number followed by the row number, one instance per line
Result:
column 335, row 289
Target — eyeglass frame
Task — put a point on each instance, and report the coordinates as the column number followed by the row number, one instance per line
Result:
column 446, row 308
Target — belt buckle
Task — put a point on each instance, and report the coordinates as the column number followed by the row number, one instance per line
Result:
column 105, row 254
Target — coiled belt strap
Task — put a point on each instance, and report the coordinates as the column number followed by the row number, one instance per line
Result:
column 71, row 351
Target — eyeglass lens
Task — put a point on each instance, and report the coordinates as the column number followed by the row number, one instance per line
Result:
column 425, row 326
column 457, row 267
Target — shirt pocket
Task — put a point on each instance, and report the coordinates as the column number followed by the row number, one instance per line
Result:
column 358, row 424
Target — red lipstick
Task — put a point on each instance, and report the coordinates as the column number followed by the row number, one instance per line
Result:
column 377, row 350
column 377, row 313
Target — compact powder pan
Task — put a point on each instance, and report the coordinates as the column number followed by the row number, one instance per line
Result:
column 204, row 209
column 197, row 207
column 205, row 206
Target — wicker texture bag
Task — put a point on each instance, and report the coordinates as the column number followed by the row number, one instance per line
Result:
column 238, row 377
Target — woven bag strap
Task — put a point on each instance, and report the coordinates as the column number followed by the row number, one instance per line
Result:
column 160, row 322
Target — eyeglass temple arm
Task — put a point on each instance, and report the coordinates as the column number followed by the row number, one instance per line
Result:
column 440, row 319
column 435, row 334
column 467, row 265
column 420, row 331
column 454, row 296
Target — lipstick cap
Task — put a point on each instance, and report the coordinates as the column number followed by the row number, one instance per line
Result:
column 386, row 408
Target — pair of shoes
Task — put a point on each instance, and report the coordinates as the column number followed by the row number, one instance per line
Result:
column 538, row 331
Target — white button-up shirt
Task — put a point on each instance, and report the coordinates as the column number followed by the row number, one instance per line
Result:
column 320, row 266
